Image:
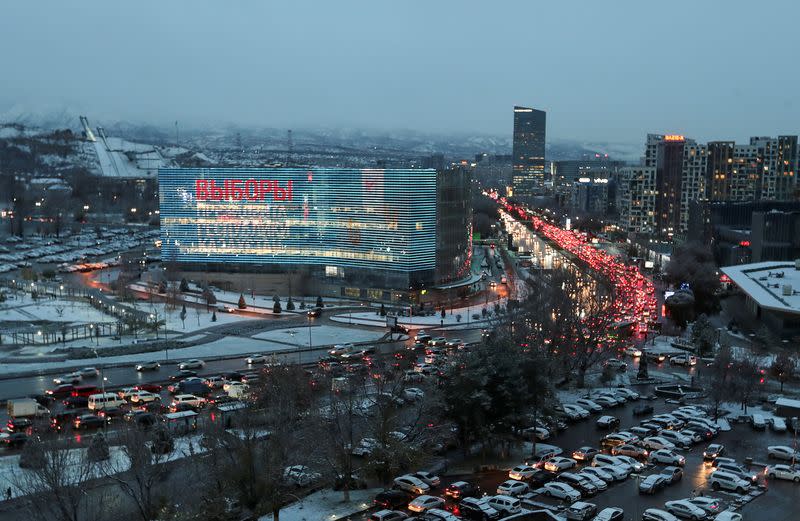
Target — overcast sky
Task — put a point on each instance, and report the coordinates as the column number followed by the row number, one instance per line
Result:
column 603, row 70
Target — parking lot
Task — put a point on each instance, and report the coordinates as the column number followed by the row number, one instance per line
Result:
column 771, row 499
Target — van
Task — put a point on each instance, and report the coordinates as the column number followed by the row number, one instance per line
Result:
column 758, row 422
column 505, row 504
column 102, row 401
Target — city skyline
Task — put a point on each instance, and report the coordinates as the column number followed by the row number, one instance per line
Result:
column 391, row 67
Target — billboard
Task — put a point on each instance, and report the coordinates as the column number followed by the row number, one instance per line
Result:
column 365, row 218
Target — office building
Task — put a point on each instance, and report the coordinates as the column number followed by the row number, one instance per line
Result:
column 528, row 152
column 361, row 233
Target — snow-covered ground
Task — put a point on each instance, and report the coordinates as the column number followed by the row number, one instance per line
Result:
column 321, row 335
column 451, row 318
column 325, row 505
column 54, row 310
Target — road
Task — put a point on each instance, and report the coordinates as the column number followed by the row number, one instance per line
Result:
column 117, row 377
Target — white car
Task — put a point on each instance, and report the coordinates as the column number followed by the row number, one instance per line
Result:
column 589, row 405
column 521, row 472
column 256, row 359
column 411, row 484
column 126, row 392
column 143, row 397
column 631, row 463
column 633, row 351
column 71, row 378
column 725, row 480
column 617, row 472
column 782, row 452
column 606, row 422
column 513, row 488
column 606, row 401
column 676, row 438
column 627, row 393
column 609, row 514
column 685, row 509
column 88, row 372
column 656, row 514
column 148, row 366
column 561, row 491
column 602, row 473
column 507, row 505
column 301, row 476
column 559, row 463
column 709, row 504
column 575, row 412
column 340, row 349
column 189, row 399
column 413, row 394
column 778, row 424
column 783, row 472
column 667, row 457
column 602, row 460
column 366, row 446
column 194, row 363
column 432, row 480
column 656, row 443
column 425, row 502
column 728, row 515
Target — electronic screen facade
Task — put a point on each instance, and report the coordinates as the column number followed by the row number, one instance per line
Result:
column 337, row 219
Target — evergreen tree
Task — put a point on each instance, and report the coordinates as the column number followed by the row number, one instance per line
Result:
column 242, row 303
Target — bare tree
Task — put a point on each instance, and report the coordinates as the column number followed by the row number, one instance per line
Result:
column 718, row 379
column 55, row 482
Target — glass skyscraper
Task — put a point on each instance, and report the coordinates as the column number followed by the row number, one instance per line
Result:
column 528, row 151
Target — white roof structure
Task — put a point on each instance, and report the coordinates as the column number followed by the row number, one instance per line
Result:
column 773, row 285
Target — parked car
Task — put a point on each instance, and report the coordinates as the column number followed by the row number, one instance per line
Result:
column 629, row 450
column 783, row 472
column 656, row 514
column 581, row 484
column 477, row 509
column 559, row 463
column 523, row 472
column 652, row 484
column 676, row 438
column 506, row 505
column 738, row 470
column 656, row 443
column 607, row 422
column 301, row 476
column 672, row 473
column 411, row 484
column 610, row 514
column 709, row 504
column 600, row 473
column 513, row 488
column 685, row 509
column 580, row 511
column 589, row 405
column 778, row 424
column 632, row 464
column 560, row 490
column 425, row 502
column 428, row 478
column 782, row 452
column 460, row 489
column 758, row 422
column 391, row 499
column 575, row 412
column 585, row 453
column 720, row 479
column 666, row 456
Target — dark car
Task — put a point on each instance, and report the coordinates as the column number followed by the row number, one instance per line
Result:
column 109, row 413
column 579, row 483
column 182, row 374
column 641, row 410
column 14, row 440
column 142, row 419
column 150, row 388
column 460, row 489
column 234, row 376
column 540, row 477
column 88, row 421
column 61, row 391
column 63, row 420
column 76, row 402
column 392, row 499
column 314, row 313
column 477, row 509
column 19, row 425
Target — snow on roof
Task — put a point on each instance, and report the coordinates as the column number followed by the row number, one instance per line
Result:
column 764, row 282
column 786, row 402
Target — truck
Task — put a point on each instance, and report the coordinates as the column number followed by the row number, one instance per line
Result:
column 23, row 407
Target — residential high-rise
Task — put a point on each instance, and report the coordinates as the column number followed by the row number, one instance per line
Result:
column 637, row 196
column 528, row 151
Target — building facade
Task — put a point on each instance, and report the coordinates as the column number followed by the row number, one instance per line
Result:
column 528, row 151
column 637, row 199
column 357, row 229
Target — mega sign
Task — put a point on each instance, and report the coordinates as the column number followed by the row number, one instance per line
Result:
column 241, row 190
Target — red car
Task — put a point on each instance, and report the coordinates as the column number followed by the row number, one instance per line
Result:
column 62, row 391
column 150, row 388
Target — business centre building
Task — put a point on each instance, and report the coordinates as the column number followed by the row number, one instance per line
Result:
column 376, row 234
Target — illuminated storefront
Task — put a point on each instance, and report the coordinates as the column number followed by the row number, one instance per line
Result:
column 368, row 227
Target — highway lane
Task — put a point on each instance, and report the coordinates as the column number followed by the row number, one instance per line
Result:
column 117, row 377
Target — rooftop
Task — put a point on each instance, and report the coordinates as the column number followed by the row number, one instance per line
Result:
column 767, row 282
